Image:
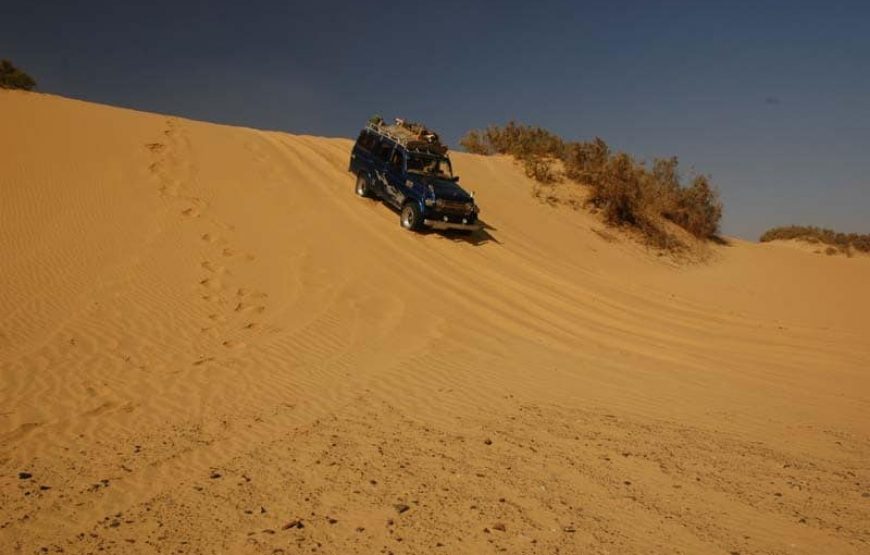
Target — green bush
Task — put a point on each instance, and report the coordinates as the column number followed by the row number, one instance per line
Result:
column 13, row 78
column 811, row 234
column 626, row 191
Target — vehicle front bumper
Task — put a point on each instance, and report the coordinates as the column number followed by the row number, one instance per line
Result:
column 440, row 224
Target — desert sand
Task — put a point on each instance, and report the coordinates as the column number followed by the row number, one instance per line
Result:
column 209, row 344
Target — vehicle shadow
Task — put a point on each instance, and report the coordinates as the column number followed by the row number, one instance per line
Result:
column 477, row 238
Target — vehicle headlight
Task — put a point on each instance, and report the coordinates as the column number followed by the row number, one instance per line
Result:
column 429, row 201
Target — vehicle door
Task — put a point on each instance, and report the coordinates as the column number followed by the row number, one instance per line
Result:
column 380, row 160
column 395, row 182
column 361, row 157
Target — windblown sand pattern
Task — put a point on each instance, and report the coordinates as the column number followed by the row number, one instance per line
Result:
column 209, row 344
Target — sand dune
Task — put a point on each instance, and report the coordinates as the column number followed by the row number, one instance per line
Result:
column 209, row 344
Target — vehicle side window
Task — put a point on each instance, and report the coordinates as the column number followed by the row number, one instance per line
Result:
column 415, row 164
column 371, row 140
column 383, row 151
column 396, row 160
column 446, row 168
column 365, row 141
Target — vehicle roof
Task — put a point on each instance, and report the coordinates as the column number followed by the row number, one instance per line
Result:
column 408, row 140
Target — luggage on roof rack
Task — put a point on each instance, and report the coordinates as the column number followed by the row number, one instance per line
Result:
column 413, row 136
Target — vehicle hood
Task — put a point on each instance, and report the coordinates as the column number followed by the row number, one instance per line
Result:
column 445, row 189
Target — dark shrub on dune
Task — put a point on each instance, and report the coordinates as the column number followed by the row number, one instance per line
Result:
column 13, row 78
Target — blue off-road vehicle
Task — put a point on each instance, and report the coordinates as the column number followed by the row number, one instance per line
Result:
column 407, row 167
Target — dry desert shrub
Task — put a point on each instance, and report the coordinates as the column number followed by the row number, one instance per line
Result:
column 518, row 140
column 541, row 169
column 623, row 189
column 846, row 242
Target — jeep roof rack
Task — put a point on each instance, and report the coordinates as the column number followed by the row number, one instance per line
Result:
column 413, row 136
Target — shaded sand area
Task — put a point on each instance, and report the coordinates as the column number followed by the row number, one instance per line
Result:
column 208, row 344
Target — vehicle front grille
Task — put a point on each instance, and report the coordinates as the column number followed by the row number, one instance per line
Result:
column 452, row 207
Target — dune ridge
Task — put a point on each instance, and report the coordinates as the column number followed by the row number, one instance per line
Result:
column 209, row 344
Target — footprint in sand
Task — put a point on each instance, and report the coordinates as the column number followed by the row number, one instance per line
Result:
column 228, row 251
column 251, row 326
column 244, row 292
column 242, row 307
column 213, row 268
column 208, row 237
column 213, row 284
column 216, row 318
column 233, row 344
column 191, row 212
column 103, row 407
column 171, row 191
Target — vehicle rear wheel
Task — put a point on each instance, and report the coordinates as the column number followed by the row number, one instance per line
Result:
column 362, row 186
column 411, row 217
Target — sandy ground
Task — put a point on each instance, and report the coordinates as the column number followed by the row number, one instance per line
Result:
column 208, row 344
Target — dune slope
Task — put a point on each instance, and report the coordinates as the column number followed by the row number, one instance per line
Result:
column 209, row 344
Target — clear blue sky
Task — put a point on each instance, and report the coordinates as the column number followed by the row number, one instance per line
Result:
column 770, row 98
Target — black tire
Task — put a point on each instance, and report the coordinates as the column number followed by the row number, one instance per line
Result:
column 410, row 218
column 362, row 186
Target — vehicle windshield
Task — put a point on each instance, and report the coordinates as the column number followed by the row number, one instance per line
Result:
column 430, row 165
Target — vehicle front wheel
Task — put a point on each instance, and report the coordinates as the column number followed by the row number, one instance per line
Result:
column 411, row 217
column 362, row 186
